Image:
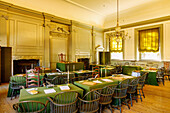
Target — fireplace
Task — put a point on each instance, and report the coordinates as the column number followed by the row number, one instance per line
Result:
column 19, row 66
column 86, row 62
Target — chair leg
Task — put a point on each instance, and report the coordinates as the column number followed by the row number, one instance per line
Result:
column 140, row 96
column 126, row 102
column 131, row 99
column 136, row 98
column 143, row 93
column 163, row 81
column 100, row 108
column 12, row 93
column 15, row 92
column 110, row 108
column 120, row 105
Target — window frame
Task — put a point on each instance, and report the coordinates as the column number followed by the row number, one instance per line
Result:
column 137, row 53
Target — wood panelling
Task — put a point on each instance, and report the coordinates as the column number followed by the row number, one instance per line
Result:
column 58, row 45
column 12, row 35
column 3, row 32
column 129, row 46
column 166, row 41
column 26, row 34
column 82, row 40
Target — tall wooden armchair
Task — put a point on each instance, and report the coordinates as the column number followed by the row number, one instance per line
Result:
column 32, row 79
column 96, row 71
column 62, row 57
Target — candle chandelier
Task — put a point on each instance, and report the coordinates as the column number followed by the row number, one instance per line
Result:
column 118, row 34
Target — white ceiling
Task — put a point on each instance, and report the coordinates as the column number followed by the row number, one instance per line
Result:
column 92, row 12
column 106, row 7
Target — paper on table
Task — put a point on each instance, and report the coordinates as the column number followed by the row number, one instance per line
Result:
column 107, row 80
column 127, row 76
column 88, row 83
column 47, row 91
column 64, row 88
column 32, row 90
column 96, row 81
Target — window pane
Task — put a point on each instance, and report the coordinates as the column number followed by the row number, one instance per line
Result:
column 117, row 55
column 150, row 56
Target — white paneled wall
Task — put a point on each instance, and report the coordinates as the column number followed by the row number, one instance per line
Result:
column 166, row 40
column 129, row 45
column 24, row 34
column 81, row 43
column 29, row 39
column 58, row 45
column 3, row 31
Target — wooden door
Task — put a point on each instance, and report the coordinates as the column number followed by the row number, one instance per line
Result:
column 0, row 64
column 6, row 63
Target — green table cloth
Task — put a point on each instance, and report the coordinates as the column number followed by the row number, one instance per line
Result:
column 42, row 97
column 24, row 79
column 151, row 78
column 82, row 73
column 127, row 70
column 63, row 66
column 52, row 75
column 87, row 88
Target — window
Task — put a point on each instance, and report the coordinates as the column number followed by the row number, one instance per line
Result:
column 149, row 43
column 149, row 40
column 115, row 47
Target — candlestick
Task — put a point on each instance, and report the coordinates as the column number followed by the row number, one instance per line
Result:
column 101, row 72
column 68, row 74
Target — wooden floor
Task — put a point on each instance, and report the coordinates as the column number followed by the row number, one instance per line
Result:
column 157, row 100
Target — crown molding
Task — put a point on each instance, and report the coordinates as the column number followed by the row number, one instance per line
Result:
column 150, row 21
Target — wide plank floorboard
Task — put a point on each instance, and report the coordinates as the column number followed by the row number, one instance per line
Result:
column 157, row 100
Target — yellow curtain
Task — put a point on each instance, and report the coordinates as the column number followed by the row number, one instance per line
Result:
column 116, row 46
column 149, row 40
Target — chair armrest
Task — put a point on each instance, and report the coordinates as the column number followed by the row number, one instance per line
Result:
column 46, row 102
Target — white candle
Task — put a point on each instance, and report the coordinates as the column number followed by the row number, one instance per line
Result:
column 73, row 67
column 105, row 72
column 101, row 72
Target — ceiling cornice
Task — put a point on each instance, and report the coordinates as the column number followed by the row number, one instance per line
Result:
column 81, row 6
column 150, row 21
